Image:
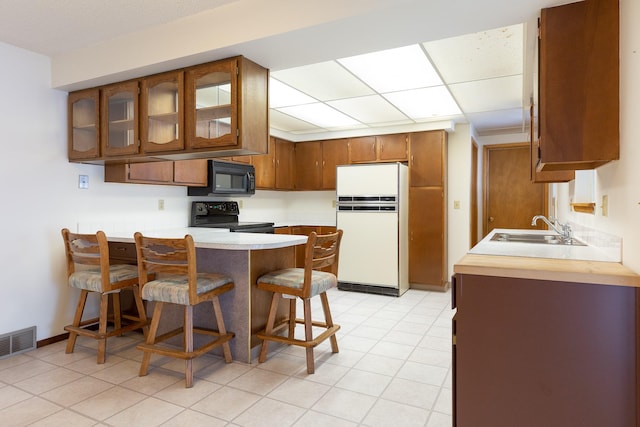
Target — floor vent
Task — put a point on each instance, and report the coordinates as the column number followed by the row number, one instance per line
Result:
column 17, row 342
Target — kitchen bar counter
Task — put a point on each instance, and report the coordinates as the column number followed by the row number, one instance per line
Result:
column 242, row 256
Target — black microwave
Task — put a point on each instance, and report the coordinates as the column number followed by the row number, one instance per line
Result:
column 227, row 178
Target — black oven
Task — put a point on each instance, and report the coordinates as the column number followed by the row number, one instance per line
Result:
column 224, row 214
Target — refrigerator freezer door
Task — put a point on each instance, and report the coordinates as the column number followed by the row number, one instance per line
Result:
column 365, row 256
column 380, row 179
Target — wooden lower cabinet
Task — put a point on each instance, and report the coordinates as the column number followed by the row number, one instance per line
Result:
column 533, row 353
column 427, row 238
column 304, row 230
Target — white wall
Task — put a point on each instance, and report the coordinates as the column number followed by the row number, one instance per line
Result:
column 40, row 196
column 620, row 180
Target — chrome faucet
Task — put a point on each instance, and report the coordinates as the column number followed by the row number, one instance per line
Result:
column 562, row 229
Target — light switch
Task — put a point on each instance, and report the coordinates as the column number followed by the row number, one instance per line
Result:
column 456, row 204
column 83, row 181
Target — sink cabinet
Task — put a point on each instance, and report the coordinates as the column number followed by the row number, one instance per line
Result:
column 578, row 86
column 533, row 353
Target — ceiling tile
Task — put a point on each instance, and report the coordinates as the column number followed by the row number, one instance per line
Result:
column 286, row 123
column 369, row 109
column 320, row 115
column 494, row 120
column 282, row 95
column 324, row 81
column 483, row 55
column 491, row 94
column 394, row 69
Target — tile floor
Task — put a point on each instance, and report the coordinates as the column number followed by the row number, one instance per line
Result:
column 393, row 369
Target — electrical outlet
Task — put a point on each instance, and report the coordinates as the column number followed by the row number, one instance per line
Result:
column 456, row 204
column 83, row 182
column 605, row 205
column 240, row 204
column 160, row 204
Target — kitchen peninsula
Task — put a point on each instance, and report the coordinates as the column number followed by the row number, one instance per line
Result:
column 242, row 256
column 544, row 341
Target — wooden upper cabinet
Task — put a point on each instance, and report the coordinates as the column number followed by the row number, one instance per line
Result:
column 226, row 106
column 284, row 164
column 427, row 158
column 392, row 147
column 84, row 124
column 335, row 152
column 265, row 167
column 162, row 112
column 119, row 119
column 181, row 172
column 308, row 165
column 579, row 85
column 381, row 148
column 538, row 176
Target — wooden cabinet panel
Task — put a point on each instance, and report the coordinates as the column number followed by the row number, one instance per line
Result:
column 426, row 160
column 427, row 248
column 362, row 150
column 119, row 114
column 162, row 112
column 191, row 172
column 308, row 165
column 579, row 85
column 392, row 147
column 265, row 167
column 285, row 167
column 335, row 152
column 84, row 124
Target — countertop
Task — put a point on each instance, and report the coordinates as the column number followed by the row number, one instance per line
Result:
column 218, row 238
column 579, row 264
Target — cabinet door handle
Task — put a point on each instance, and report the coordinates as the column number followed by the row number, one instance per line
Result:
column 412, row 163
column 491, row 219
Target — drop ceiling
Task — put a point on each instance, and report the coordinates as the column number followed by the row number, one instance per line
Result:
column 328, row 75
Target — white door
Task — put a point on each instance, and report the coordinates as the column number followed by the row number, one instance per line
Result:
column 369, row 248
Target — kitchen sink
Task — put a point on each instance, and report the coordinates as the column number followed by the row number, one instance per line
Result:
column 547, row 239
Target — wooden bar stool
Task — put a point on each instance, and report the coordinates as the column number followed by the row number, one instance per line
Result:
column 90, row 252
column 318, row 275
column 178, row 282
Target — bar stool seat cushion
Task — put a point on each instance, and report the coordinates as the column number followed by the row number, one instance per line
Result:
column 293, row 278
column 91, row 278
column 175, row 289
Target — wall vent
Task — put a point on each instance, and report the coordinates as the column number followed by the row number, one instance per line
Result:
column 17, row 342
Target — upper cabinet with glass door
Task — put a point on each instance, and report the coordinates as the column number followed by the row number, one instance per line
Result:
column 162, row 112
column 84, row 124
column 119, row 109
column 226, row 107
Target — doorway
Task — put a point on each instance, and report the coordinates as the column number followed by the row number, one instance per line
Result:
column 510, row 198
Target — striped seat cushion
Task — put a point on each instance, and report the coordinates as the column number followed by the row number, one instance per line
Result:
column 91, row 279
column 175, row 289
column 294, row 278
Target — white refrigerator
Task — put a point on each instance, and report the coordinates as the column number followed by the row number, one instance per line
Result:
column 371, row 209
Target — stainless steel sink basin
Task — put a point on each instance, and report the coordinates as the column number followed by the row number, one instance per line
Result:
column 547, row 239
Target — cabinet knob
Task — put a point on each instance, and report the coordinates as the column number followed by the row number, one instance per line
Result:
column 491, row 219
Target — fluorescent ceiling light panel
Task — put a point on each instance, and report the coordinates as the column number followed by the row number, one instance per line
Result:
column 320, row 115
column 483, row 55
column 282, row 95
column 504, row 119
column 324, row 81
column 425, row 103
column 492, row 94
column 394, row 69
column 368, row 109
column 286, row 123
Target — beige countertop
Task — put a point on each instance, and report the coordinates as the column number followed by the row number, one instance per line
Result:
column 216, row 238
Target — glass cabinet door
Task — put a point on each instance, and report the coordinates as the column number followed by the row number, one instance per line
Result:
column 161, row 112
column 84, row 119
column 119, row 109
column 211, row 108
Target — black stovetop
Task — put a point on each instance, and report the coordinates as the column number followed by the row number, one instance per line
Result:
column 222, row 214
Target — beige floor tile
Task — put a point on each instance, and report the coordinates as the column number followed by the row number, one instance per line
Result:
column 61, row 358
column 223, row 373
column 48, row 380
column 317, row 419
column 10, row 395
column 269, row 413
column 364, row 382
column 13, row 361
column 89, row 365
column 108, row 403
column 444, row 402
column 345, row 404
column 431, row 357
column 185, row 397
column 423, row 373
column 325, row 373
column 27, row 411
column 411, row 393
column 64, row 418
column 284, row 363
column 154, row 381
column 379, row 364
column 386, row 413
column 437, row 419
column 77, row 391
column 118, row 373
column 393, row 350
column 193, row 418
column 258, row 381
column 30, row 368
column 226, row 403
column 299, row 392
column 149, row 412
